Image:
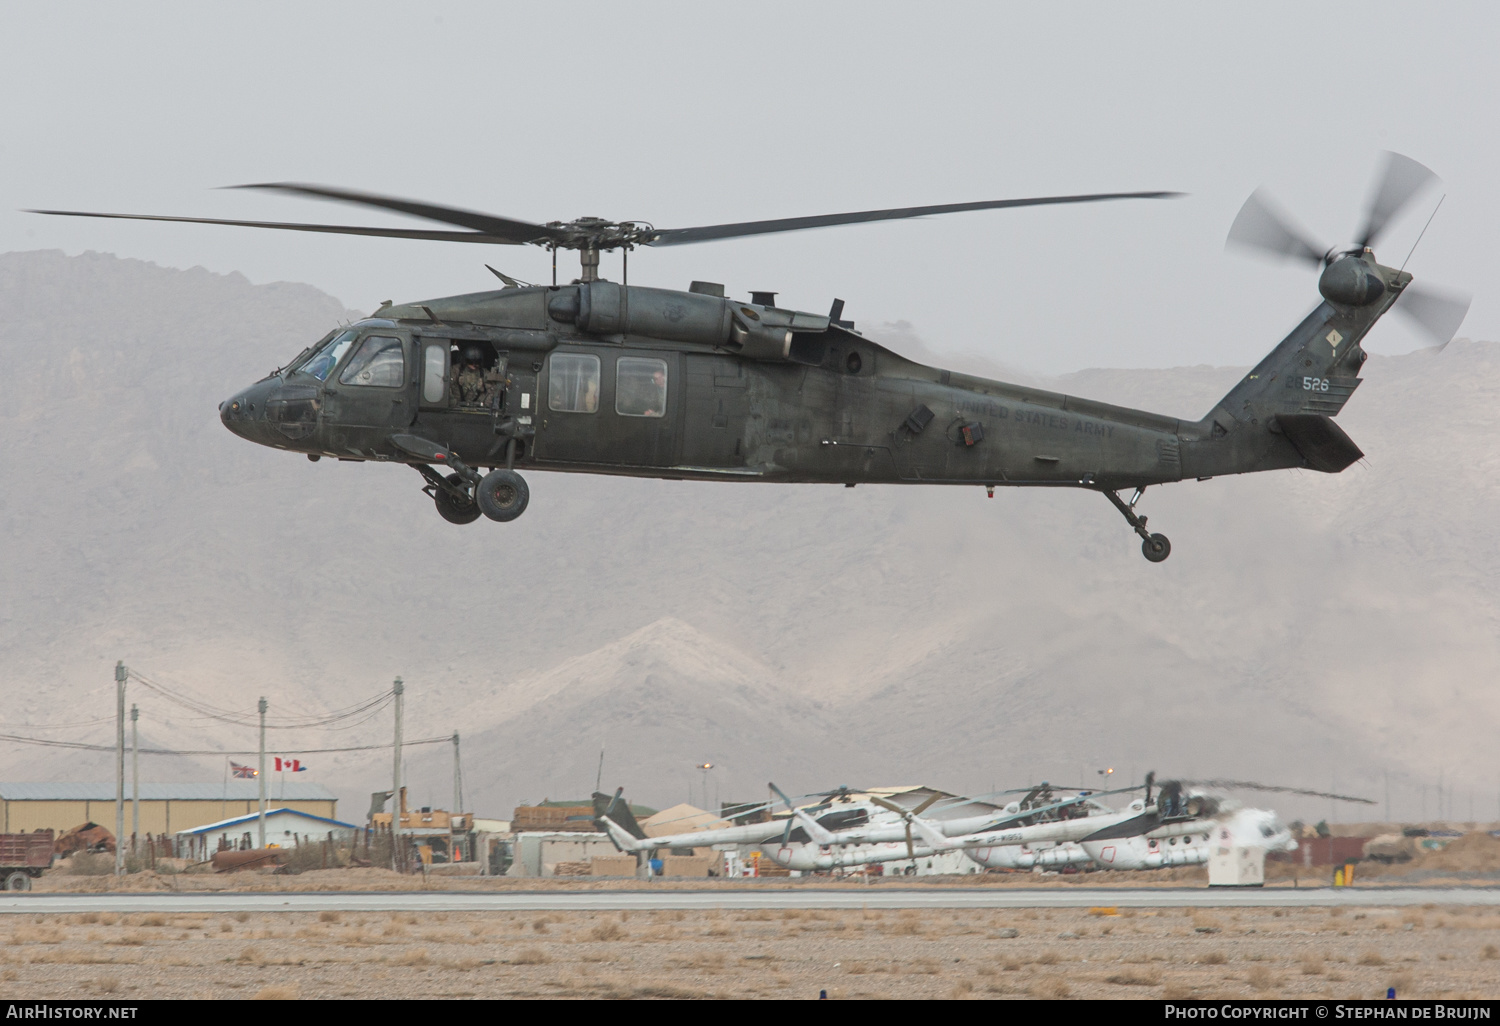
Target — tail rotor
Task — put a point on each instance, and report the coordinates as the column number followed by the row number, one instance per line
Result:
column 1262, row 225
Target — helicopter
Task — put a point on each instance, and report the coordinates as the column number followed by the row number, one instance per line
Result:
column 601, row 377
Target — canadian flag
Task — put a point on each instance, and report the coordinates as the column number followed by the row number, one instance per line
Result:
column 289, row 765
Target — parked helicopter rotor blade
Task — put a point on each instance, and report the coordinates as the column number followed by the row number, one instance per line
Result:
column 1250, row 785
column 489, row 224
column 430, row 235
column 911, row 849
column 709, row 233
column 1439, row 314
column 1261, row 224
column 1399, row 181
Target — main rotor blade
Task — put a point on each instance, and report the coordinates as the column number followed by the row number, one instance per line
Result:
column 708, row 233
column 331, row 229
column 1249, row 785
column 1438, row 314
column 1260, row 224
column 489, row 224
column 1400, row 180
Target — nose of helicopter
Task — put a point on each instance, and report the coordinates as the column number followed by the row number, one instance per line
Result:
column 245, row 412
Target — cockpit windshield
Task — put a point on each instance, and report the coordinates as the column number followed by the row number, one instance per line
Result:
column 328, row 355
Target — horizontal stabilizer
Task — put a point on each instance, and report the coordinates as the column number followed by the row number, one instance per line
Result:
column 1321, row 442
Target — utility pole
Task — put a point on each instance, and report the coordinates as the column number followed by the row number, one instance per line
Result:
column 135, row 776
column 399, row 689
column 458, row 779
column 120, row 768
column 260, row 774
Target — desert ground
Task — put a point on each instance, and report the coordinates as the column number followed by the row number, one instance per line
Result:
column 1095, row 953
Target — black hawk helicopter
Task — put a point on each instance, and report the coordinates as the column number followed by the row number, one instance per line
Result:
column 608, row 378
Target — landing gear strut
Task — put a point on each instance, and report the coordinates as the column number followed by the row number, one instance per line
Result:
column 1154, row 547
column 452, row 495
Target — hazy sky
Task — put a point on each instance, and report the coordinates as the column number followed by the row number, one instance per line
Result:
column 685, row 114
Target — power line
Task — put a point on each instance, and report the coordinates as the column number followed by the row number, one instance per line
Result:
column 367, row 708
column 82, row 746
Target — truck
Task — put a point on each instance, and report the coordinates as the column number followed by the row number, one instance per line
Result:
column 23, row 857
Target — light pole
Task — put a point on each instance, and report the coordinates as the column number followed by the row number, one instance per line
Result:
column 119, row 768
column 704, row 767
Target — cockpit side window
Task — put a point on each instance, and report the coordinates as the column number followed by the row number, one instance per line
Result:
column 379, row 362
column 329, row 356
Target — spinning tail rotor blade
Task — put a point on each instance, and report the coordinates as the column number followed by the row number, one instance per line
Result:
column 1400, row 180
column 1438, row 314
column 1262, row 225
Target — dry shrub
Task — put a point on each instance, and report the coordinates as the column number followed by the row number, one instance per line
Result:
column 706, row 960
column 89, row 917
column 465, row 964
column 10, row 976
column 530, row 956
column 963, row 988
column 225, row 928
column 1206, row 923
column 1260, row 978
column 329, row 916
column 1048, row 958
column 1053, row 987
column 1136, row 978
column 1312, row 965
column 394, row 929
column 107, row 984
column 240, row 917
column 153, row 920
column 130, row 940
column 415, row 956
column 1214, row 958
column 1011, row 965
column 925, row 966
column 108, row 919
column 1371, row 958
column 608, row 930
column 278, row 992
column 907, row 928
column 1405, row 984
column 718, row 930
column 540, row 926
column 1177, row 992
column 36, row 935
column 1490, row 952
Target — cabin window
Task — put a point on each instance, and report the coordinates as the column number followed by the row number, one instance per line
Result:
column 329, row 356
column 640, row 387
column 573, row 383
column 378, row 362
column 434, row 373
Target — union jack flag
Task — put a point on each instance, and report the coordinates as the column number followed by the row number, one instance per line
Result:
column 243, row 772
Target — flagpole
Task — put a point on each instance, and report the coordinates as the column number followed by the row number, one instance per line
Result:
column 224, row 795
column 260, row 776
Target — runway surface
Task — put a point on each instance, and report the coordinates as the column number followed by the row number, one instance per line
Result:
column 880, row 897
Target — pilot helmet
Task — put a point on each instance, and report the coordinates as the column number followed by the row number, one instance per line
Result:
column 473, row 354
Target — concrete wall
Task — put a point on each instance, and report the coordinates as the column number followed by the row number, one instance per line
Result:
column 157, row 817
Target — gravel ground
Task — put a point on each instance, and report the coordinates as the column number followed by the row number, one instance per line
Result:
column 1423, row 952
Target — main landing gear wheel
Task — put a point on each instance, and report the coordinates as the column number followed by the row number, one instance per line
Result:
column 502, row 495
column 1154, row 547
column 453, row 509
column 18, row 881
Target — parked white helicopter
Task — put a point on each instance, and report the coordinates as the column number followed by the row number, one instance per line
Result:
column 843, row 820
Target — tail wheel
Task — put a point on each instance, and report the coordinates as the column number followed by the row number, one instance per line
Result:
column 503, row 495
column 453, row 509
column 1156, row 548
